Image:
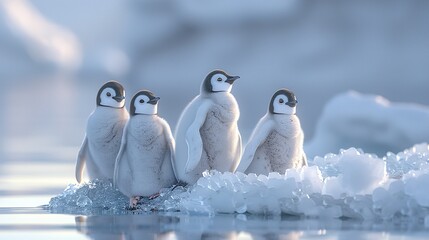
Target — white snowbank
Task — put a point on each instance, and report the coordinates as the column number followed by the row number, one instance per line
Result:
column 369, row 122
column 350, row 184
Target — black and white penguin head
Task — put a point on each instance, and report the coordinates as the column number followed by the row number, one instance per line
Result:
column 283, row 102
column 144, row 102
column 218, row 81
column 111, row 94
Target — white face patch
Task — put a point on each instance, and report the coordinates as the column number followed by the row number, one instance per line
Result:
column 280, row 106
column 107, row 99
column 219, row 84
column 143, row 106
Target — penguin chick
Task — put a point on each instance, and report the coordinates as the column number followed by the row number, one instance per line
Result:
column 144, row 162
column 103, row 134
column 207, row 135
column 276, row 143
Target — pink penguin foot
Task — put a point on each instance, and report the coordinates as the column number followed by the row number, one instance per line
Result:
column 151, row 197
column 133, row 202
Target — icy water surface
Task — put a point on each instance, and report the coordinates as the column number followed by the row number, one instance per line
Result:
column 28, row 222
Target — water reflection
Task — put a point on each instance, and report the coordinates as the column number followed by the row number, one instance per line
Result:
column 126, row 226
column 182, row 226
column 38, row 223
column 177, row 227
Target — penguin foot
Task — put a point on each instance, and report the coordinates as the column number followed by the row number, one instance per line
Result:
column 151, row 197
column 133, row 202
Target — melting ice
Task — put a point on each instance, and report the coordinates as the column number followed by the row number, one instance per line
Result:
column 350, row 184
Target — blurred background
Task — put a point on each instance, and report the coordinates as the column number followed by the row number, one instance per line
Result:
column 54, row 55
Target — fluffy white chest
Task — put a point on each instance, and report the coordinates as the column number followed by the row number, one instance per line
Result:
column 220, row 133
column 104, row 131
column 146, row 144
column 283, row 146
column 146, row 151
column 225, row 108
column 221, row 119
column 104, row 134
column 144, row 129
column 287, row 125
column 220, row 143
column 145, row 165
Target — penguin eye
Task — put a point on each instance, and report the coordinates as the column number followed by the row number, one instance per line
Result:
column 141, row 101
column 108, row 94
column 281, row 100
column 219, row 79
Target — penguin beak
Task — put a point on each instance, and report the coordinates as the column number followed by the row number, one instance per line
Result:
column 119, row 98
column 292, row 103
column 231, row 79
column 154, row 100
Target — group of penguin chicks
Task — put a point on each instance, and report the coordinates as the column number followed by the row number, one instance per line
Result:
column 138, row 150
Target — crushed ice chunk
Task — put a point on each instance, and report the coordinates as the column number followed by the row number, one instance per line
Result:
column 94, row 197
column 360, row 173
column 332, row 186
column 420, row 148
column 351, row 184
column 83, row 201
column 417, row 188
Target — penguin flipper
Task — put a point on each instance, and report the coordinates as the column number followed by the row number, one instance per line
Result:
column 193, row 137
column 119, row 156
column 167, row 174
column 238, row 153
column 259, row 135
column 304, row 159
column 169, row 159
column 81, row 160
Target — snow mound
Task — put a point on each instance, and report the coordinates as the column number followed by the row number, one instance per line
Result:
column 350, row 184
column 369, row 122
